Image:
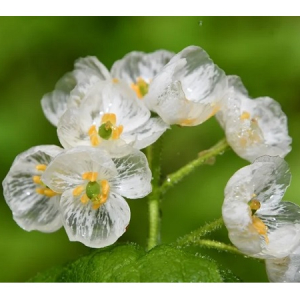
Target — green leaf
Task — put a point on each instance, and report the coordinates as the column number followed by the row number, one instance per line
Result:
column 131, row 263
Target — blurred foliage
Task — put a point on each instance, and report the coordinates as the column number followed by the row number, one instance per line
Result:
column 36, row 51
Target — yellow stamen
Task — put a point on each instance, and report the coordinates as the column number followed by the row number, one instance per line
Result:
column 40, row 191
column 116, row 132
column 115, row 80
column 109, row 118
column 46, row 191
column 140, row 87
column 37, row 179
column 95, row 141
column 84, row 199
column 254, row 204
column 245, row 116
column 260, row 227
column 91, row 176
column 78, row 190
column 49, row 193
column 92, row 130
column 105, row 187
column 41, row 167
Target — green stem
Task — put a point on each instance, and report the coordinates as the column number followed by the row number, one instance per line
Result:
column 203, row 157
column 218, row 246
column 195, row 236
column 154, row 159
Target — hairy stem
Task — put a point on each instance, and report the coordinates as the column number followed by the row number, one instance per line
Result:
column 202, row 158
column 195, row 236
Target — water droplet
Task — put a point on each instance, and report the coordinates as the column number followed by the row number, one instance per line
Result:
column 168, row 179
column 200, row 23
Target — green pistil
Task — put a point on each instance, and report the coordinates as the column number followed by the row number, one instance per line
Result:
column 105, row 130
column 93, row 189
column 144, row 87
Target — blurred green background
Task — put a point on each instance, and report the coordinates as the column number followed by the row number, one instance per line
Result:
column 36, row 51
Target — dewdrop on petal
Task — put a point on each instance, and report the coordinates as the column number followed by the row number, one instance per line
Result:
column 253, row 127
column 258, row 222
column 93, row 183
column 188, row 90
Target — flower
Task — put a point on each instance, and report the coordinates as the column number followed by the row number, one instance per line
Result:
column 109, row 116
column 93, row 184
column 34, row 205
column 136, row 69
column 253, row 127
column 188, row 89
column 259, row 224
column 285, row 269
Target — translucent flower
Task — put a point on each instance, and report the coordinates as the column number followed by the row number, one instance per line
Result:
column 109, row 116
column 188, row 90
column 34, row 205
column 87, row 71
column 136, row 69
column 253, row 127
column 93, row 185
column 259, row 224
column 285, row 269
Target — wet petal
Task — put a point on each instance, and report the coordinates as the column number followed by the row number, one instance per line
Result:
column 134, row 175
column 31, row 210
column 147, row 134
column 139, row 64
column 189, row 78
column 66, row 169
column 94, row 228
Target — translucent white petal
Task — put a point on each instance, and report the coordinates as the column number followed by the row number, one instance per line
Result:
column 189, row 78
column 94, row 228
column 146, row 134
column 134, row 175
column 66, row 170
column 139, row 64
column 54, row 105
column 91, row 66
column 32, row 211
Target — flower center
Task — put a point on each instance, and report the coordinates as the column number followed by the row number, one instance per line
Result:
column 257, row 223
column 96, row 191
column 141, row 87
column 42, row 189
column 107, row 130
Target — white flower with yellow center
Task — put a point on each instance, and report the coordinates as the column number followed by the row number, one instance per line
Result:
column 109, row 116
column 137, row 69
column 253, row 127
column 34, row 205
column 87, row 71
column 258, row 223
column 188, row 90
column 285, row 269
column 93, row 185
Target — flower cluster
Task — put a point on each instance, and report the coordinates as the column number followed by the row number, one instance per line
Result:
column 104, row 118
